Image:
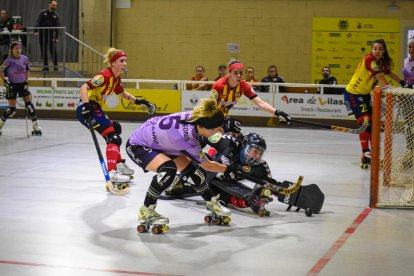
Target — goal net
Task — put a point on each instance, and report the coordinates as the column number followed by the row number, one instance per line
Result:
column 392, row 163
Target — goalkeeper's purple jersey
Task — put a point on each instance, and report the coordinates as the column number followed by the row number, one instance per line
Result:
column 168, row 135
column 16, row 68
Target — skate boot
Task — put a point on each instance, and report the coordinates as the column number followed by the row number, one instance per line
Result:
column 218, row 212
column 149, row 217
column 123, row 169
column 118, row 180
column 180, row 190
column 1, row 125
column 37, row 130
column 365, row 160
column 408, row 159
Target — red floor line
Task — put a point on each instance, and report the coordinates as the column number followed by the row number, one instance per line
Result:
column 85, row 268
column 324, row 260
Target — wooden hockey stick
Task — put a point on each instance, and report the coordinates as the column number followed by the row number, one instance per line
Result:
column 359, row 130
column 274, row 187
column 109, row 184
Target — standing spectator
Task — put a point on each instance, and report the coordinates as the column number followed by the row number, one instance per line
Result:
column 48, row 37
column 272, row 76
column 222, row 72
column 408, row 69
column 329, row 79
column 250, row 75
column 6, row 24
column 371, row 71
column 17, row 67
column 199, row 76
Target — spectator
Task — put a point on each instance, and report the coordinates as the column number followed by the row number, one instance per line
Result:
column 222, row 72
column 250, row 75
column 199, row 76
column 48, row 37
column 331, row 80
column 272, row 77
column 6, row 25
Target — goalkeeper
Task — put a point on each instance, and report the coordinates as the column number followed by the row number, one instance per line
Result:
column 89, row 112
column 370, row 72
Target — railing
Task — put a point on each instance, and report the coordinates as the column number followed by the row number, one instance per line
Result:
column 55, row 50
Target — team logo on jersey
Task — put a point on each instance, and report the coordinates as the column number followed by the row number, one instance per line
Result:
column 246, row 169
column 215, row 137
column 237, row 94
column 214, row 94
column 374, row 65
column 97, row 80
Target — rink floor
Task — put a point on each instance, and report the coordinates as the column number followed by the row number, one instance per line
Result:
column 57, row 218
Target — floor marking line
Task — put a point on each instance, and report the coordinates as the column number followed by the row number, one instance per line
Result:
column 324, row 260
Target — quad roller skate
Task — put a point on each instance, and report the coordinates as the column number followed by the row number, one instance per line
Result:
column 219, row 214
column 119, row 181
column 365, row 160
column 122, row 168
column 37, row 130
column 261, row 197
column 149, row 217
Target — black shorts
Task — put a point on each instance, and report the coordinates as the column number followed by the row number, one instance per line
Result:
column 17, row 89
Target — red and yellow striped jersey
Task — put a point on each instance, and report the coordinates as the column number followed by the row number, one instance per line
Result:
column 103, row 85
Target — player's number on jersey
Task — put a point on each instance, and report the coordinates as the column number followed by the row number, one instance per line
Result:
column 168, row 122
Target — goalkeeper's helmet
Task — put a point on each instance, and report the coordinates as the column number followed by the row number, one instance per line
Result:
column 254, row 146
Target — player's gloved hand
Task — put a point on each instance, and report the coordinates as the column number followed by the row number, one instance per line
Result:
column 232, row 171
column 7, row 84
column 232, row 125
column 403, row 84
column 87, row 113
column 150, row 107
column 283, row 117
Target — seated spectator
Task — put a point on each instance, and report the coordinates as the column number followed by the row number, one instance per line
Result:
column 6, row 25
column 222, row 72
column 199, row 76
column 272, row 77
column 331, row 80
column 250, row 75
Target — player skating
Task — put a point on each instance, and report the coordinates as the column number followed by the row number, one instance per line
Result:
column 168, row 144
column 17, row 67
column 370, row 72
column 95, row 92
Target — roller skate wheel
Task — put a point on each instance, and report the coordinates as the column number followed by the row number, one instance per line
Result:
column 165, row 228
column 364, row 166
column 266, row 192
column 141, row 228
column 156, row 229
column 226, row 220
column 207, row 219
column 131, row 177
column 122, row 186
column 261, row 213
column 308, row 212
column 218, row 221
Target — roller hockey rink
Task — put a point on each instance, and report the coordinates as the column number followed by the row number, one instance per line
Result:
column 57, row 218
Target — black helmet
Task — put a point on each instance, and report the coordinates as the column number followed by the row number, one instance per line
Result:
column 254, row 146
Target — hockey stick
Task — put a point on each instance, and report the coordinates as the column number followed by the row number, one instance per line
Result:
column 273, row 187
column 359, row 130
column 109, row 184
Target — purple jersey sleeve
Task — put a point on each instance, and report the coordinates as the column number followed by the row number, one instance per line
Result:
column 169, row 135
column 408, row 71
column 16, row 68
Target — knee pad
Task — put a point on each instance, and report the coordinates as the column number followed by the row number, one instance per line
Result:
column 193, row 175
column 10, row 112
column 30, row 109
column 117, row 127
column 113, row 138
column 167, row 174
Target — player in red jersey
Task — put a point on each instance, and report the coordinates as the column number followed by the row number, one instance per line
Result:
column 229, row 89
column 95, row 92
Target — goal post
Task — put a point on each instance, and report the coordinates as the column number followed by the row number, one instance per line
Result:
column 392, row 143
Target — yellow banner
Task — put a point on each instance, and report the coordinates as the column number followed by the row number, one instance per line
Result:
column 167, row 101
column 341, row 43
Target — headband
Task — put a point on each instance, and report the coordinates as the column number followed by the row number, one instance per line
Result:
column 215, row 121
column 236, row 66
column 117, row 55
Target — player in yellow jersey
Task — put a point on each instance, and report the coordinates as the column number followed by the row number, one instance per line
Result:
column 371, row 72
